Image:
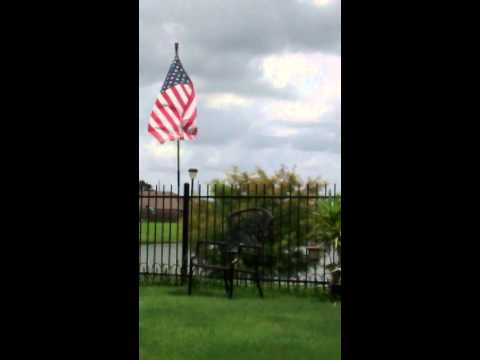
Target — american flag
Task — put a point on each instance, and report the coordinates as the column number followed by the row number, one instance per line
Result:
column 174, row 114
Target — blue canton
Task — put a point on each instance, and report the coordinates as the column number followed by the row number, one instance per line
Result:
column 176, row 75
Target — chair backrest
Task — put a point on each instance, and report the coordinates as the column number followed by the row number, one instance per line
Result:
column 251, row 226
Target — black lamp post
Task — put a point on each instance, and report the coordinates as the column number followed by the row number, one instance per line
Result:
column 193, row 174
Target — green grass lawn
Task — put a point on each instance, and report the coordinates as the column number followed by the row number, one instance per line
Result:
column 148, row 232
column 209, row 326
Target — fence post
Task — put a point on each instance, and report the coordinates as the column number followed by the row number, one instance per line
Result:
column 186, row 213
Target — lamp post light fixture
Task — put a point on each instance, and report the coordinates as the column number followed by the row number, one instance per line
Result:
column 193, row 174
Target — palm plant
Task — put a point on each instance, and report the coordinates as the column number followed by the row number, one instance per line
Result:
column 326, row 226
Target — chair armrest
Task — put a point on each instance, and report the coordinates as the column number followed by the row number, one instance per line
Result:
column 205, row 243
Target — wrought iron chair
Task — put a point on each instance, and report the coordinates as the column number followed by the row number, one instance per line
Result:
column 241, row 251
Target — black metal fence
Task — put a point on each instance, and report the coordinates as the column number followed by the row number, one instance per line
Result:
column 301, row 255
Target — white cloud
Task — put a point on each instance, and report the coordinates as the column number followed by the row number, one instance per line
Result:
column 288, row 70
column 160, row 151
column 283, row 131
column 268, row 102
column 318, row 3
column 321, row 3
column 226, row 101
column 295, row 111
column 315, row 78
column 172, row 29
column 307, row 73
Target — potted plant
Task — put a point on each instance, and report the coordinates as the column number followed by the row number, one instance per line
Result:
column 325, row 229
column 325, row 232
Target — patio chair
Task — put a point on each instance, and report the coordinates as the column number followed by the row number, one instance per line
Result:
column 241, row 251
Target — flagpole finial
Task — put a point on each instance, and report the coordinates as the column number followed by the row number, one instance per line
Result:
column 176, row 49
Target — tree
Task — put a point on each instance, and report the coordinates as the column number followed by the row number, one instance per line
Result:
column 283, row 193
column 284, row 179
column 143, row 185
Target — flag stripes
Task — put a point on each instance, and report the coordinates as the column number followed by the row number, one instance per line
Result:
column 174, row 113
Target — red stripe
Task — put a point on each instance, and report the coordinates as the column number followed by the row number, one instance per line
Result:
column 187, row 134
column 189, row 104
column 190, row 89
column 176, row 124
column 193, row 116
column 161, row 126
column 192, row 96
column 168, row 117
column 185, row 91
column 152, row 131
column 170, row 105
column 191, row 120
column 179, row 98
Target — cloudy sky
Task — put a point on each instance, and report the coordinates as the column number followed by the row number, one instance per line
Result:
column 268, row 79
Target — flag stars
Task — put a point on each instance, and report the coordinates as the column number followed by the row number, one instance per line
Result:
column 175, row 76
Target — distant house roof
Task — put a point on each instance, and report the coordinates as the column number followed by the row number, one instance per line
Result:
column 158, row 200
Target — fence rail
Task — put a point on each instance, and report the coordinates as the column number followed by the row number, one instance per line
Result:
column 166, row 243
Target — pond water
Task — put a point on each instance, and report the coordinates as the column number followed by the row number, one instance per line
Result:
column 167, row 258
